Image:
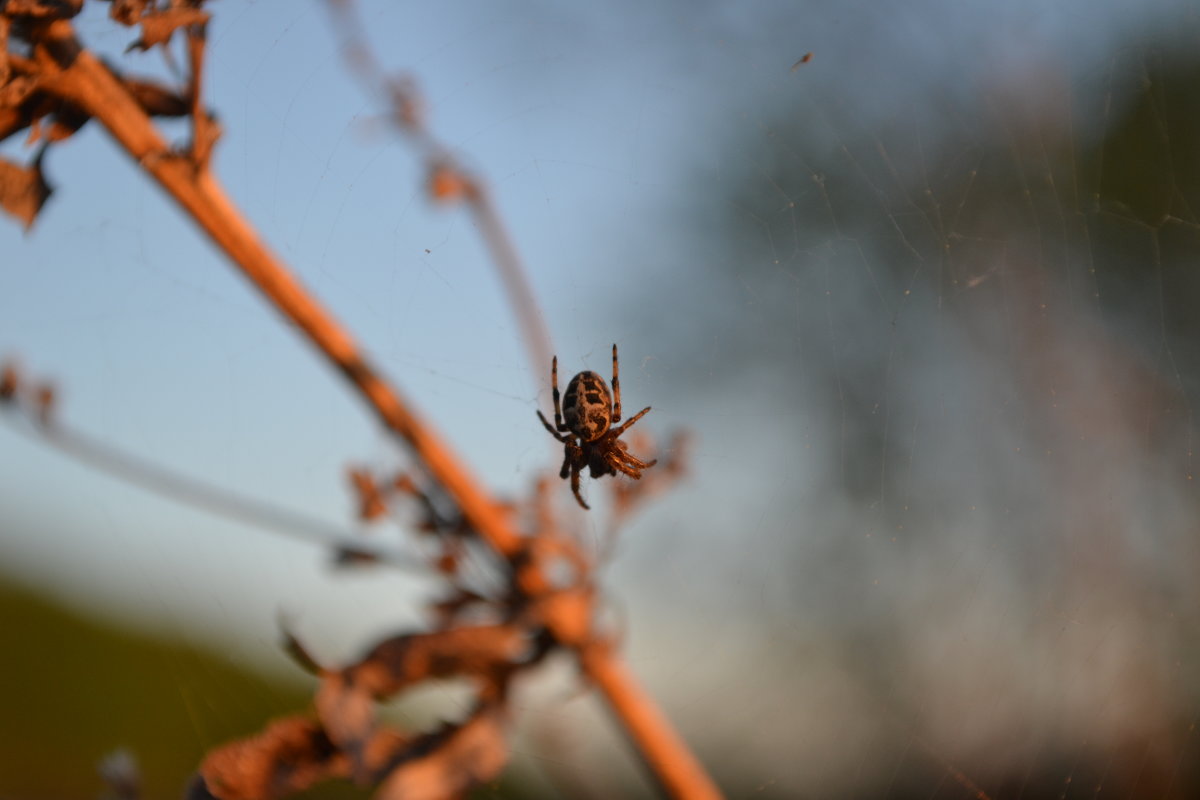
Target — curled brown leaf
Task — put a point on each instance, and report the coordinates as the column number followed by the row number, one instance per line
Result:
column 128, row 12
column 299, row 653
column 447, row 610
column 294, row 753
column 16, row 91
column 289, row 756
column 348, row 713
column 159, row 25
column 451, row 761
column 23, row 190
column 347, row 698
column 155, row 99
column 5, row 69
column 25, row 102
column 401, row 661
column 65, row 120
column 371, row 505
column 205, row 133
column 42, row 10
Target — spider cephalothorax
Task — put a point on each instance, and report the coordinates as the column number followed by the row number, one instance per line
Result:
column 587, row 413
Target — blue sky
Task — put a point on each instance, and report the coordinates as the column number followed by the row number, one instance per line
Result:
column 590, row 126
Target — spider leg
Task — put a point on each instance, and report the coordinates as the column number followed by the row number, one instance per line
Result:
column 619, row 458
column 553, row 432
column 566, row 467
column 558, row 423
column 616, row 416
column 625, row 469
column 575, row 487
column 634, row 461
column 624, row 425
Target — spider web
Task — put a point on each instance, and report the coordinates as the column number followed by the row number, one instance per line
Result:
column 925, row 299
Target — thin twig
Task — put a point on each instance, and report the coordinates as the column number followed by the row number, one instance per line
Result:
column 204, row 496
column 406, row 114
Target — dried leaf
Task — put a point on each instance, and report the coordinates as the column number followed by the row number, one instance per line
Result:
column 67, row 119
column 449, row 559
column 298, row 652
column 452, row 761
column 43, row 9
column 128, row 12
column 155, row 99
column 11, row 121
column 16, row 91
column 5, row 69
column 294, row 753
column 380, row 753
column 291, row 755
column 23, row 101
column 205, row 133
column 348, row 714
column 402, row 661
column 23, row 190
column 370, row 501
column 159, row 25
column 346, row 699
column 10, row 381
column 447, row 610
column 447, row 184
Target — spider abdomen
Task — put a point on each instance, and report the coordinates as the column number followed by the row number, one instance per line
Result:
column 587, row 406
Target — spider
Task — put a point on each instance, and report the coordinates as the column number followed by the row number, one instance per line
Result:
column 590, row 413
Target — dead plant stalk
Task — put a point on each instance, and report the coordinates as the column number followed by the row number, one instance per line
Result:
column 73, row 73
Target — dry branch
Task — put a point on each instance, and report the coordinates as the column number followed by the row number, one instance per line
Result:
column 26, row 404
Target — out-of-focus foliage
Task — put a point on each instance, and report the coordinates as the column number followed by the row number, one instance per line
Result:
column 972, row 328
column 77, row 690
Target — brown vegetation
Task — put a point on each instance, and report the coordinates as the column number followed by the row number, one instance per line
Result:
column 51, row 85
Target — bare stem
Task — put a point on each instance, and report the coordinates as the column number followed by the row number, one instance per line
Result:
column 169, row 483
column 512, row 275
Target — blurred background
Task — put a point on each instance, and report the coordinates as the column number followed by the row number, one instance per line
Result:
column 927, row 301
